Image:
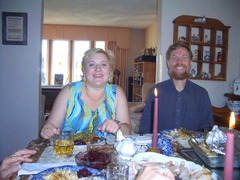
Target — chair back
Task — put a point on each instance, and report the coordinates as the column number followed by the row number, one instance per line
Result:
column 145, row 90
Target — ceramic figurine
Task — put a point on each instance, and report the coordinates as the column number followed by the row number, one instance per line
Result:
column 219, row 57
column 207, row 56
column 206, row 39
column 219, row 40
column 195, row 57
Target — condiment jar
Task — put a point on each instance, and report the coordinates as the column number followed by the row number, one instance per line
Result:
column 236, row 86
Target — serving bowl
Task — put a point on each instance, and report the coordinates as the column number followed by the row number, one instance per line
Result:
column 93, row 158
column 233, row 106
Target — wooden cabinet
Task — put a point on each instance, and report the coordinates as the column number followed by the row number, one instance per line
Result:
column 50, row 93
column 143, row 72
column 208, row 40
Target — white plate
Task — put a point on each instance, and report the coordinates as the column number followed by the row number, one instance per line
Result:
column 72, row 168
column 146, row 157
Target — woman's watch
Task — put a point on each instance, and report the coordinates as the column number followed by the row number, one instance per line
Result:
column 119, row 124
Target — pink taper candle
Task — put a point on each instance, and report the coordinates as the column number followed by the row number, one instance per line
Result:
column 155, row 121
column 228, row 166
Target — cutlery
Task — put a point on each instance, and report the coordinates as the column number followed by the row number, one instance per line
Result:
column 190, row 135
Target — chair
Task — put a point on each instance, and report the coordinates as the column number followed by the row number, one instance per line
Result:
column 145, row 90
column 136, row 108
column 116, row 74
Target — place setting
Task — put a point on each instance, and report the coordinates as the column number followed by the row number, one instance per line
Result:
column 87, row 156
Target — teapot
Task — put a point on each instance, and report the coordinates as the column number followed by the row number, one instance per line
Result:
column 126, row 148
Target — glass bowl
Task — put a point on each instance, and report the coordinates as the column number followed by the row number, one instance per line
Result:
column 93, row 158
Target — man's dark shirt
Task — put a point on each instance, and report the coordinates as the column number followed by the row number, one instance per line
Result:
column 190, row 108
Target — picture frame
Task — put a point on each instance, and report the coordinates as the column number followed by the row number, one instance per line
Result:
column 14, row 28
column 58, row 79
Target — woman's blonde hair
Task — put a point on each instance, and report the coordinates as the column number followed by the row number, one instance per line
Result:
column 108, row 53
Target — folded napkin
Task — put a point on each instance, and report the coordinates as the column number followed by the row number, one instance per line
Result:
column 34, row 168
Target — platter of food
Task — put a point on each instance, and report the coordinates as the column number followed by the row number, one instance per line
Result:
column 179, row 167
column 88, row 139
column 67, row 172
column 210, row 157
column 181, row 134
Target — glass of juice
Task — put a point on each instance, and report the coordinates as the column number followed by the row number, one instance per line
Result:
column 63, row 144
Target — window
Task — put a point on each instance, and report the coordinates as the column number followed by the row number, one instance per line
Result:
column 62, row 62
column 44, row 72
column 79, row 48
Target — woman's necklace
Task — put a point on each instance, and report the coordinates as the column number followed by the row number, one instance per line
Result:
column 90, row 96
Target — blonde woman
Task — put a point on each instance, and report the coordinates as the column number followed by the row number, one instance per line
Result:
column 92, row 105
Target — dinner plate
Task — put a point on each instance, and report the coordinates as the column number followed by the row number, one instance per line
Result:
column 174, row 134
column 101, row 142
column 147, row 157
column 75, row 169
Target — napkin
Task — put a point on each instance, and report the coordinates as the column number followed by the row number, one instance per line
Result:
column 34, row 168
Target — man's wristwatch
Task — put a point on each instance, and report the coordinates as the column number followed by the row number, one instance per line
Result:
column 119, row 124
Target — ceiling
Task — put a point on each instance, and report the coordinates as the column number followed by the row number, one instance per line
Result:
column 134, row 14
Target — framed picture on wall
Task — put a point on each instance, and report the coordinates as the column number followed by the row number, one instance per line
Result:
column 14, row 28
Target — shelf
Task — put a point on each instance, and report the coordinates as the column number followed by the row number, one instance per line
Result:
column 209, row 37
column 232, row 96
column 142, row 72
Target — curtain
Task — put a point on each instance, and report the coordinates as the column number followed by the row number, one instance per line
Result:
column 120, row 62
column 118, row 40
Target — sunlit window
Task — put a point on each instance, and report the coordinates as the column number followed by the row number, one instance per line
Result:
column 44, row 67
column 100, row 44
column 60, row 61
column 79, row 48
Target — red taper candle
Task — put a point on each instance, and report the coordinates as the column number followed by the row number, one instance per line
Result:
column 228, row 164
column 155, row 120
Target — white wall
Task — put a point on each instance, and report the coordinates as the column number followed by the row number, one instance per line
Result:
column 20, row 80
column 225, row 11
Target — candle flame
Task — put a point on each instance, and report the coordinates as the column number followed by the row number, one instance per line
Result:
column 155, row 92
column 232, row 120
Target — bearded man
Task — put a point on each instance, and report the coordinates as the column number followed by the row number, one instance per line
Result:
column 181, row 103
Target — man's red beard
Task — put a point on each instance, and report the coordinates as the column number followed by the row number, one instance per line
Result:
column 178, row 76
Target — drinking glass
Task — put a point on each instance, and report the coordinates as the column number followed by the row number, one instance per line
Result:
column 63, row 143
column 117, row 171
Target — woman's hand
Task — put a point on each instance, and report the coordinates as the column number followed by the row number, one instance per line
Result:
column 110, row 126
column 49, row 130
column 155, row 173
column 11, row 164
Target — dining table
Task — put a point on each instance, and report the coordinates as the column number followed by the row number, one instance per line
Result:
column 183, row 150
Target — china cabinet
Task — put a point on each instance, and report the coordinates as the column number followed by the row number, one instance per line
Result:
column 208, row 39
